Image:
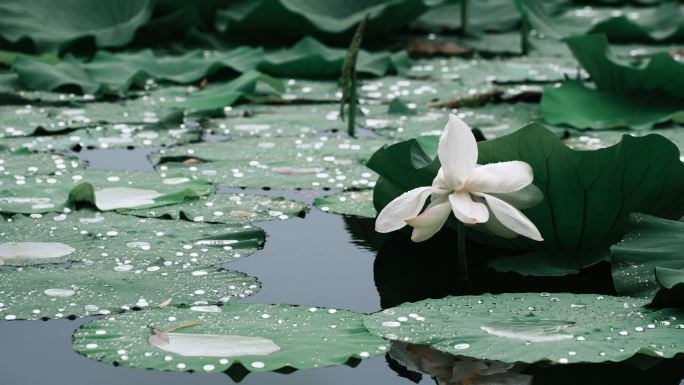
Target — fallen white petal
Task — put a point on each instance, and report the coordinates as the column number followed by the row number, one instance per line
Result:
column 213, row 345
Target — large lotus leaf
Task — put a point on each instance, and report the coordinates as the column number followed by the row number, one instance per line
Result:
column 311, row 59
column 660, row 72
column 601, row 109
column 357, row 203
column 329, row 20
column 122, row 242
column 649, row 261
column 658, row 24
column 587, row 194
column 115, row 73
column 625, row 95
column 81, row 290
column 23, row 163
column 258, row 337
column 227, row 208
column 532, row 327
column 315, row 162
column 106, row 190
column 52, row 26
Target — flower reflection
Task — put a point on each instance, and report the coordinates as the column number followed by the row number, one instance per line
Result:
column 448, row 369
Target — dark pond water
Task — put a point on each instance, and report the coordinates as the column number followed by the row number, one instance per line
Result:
column 325, row 260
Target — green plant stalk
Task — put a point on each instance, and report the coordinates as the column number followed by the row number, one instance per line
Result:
column 525, row 36
column 464, row 17
column 348, row 78
column 351, row 112
column 462, row 257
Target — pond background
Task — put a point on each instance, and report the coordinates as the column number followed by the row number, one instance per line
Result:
column 338, row 270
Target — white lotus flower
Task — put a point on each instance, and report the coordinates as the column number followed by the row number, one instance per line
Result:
column 489, row 194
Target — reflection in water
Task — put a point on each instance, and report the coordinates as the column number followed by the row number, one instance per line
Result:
column 448, row 369
column 405, row 271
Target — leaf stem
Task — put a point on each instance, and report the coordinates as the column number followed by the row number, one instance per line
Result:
column 462, row 257
column 464, row 17
column 525, row 36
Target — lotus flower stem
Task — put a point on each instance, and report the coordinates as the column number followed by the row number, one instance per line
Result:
column 462, row 257
column 464, row 17
column 525, row 36
column 348, row 79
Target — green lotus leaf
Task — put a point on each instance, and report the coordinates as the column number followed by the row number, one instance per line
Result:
column 227, row 208
column 23, row 163
column 649, row 262
column 311, row 59
column 625, row 95
column 534, row 327
column 357, row 203
column 314, row 162
column 258, row 337
column 83, row 290
column 327, row 20
column 115, row 73
column 598, row 109
column 658, row 24
column 106, row 190
column 51, row 26
column 483, row 15
column 218, row 97
column 265, row 121
column 111, row 239
column 32, row 120
column 107, row 137
column 588, row 195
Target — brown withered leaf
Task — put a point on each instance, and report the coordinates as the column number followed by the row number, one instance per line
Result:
column 418, row 47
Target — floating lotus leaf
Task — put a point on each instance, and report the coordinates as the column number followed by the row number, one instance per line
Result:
column 81, row 290
column 625, row 95
column 26, row 120
column 655, row 24
column 115, row 73
column 315, row 162
column 276, row 121
column 311, row 59
column 227, row 208
column 483, row 15
column 649, row 261
column 106, row 190
column 330, row 20
column 588, row 195
column 258, row 337
column 532, row 327
column 217, row 98
column 358, row 203
column 23, row 163
column 112, row 239
column 107, row 137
